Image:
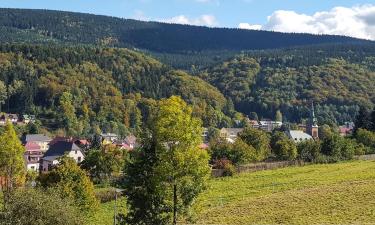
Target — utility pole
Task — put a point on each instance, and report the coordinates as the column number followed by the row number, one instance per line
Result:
column 115, row 206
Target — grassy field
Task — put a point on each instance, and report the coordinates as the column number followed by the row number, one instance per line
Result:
column 104, row 214
column 342, row 193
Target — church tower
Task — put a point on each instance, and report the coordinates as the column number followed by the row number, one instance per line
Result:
column 312, row 127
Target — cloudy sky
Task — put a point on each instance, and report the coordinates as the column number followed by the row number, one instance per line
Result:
column 346, row 17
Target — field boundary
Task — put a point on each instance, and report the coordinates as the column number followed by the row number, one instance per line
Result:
column 254, row 167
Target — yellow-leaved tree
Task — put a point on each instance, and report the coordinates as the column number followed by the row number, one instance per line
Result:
column 12, row 164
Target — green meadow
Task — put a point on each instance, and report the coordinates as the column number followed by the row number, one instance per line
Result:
column 342, row 193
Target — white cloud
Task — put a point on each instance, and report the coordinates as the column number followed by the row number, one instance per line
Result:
column 249, row 26
column 203, row 20
column 357, row 21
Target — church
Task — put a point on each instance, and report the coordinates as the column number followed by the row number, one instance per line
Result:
column 312, row 129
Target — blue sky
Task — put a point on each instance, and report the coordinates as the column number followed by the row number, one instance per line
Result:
column 252, row 14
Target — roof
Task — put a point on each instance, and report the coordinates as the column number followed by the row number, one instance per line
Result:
column 203, row 146
column 60, row 148
column 130, row 139
column 32, row 146
column 37, row 137
column 108, row 135
column 232, row 130
column 298, row 135
column 57, row 139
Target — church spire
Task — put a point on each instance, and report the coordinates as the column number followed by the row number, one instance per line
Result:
column 312, row 126
column 312, row 120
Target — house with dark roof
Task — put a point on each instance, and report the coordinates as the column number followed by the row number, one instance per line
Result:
column 40, row 139
column 58, row 150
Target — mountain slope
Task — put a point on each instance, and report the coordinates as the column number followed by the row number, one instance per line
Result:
column 101, row 86
column 67, row 27
column 337, row 78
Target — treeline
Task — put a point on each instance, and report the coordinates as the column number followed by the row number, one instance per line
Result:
column 253, row 145
column 338, row 81
column 68, row 27
column 82, row 90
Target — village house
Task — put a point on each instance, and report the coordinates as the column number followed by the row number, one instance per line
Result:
column 58, row 150
column 253, row 123
column 40, row 139
column 32, row 156
column 128, row 143
column 269, row 125
column 4, row 117
column 26, row 119
column 108, row 138
column 230, row 134
column 346, row 129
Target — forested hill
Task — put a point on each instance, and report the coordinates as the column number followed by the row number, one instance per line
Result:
column 338, row 78
column 83, row 89
column 42, row 26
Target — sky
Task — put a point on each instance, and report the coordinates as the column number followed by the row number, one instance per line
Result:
column 344, row 17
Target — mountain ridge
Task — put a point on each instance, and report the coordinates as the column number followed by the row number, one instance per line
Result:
column 110, row 31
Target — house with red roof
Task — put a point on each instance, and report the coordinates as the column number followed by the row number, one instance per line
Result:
column 32, row 156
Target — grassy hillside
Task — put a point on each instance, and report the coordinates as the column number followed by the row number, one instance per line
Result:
column 317, row 194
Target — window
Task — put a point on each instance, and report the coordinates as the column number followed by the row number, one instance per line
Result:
column 79, row 159
column 76, row 152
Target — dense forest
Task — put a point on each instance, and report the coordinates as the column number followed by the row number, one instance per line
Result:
column 102, row 73
column 85, row 88
column 66, row 27
column 338, row 79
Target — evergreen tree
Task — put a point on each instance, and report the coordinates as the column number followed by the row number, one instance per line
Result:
column 362, row 119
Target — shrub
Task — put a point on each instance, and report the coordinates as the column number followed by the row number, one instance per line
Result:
column 106, row 194
column 33, row 206
column 338, row 148
column 226, row 165
column 283, row 147
column 259, row 140
column 367, row 138
column 309, row 151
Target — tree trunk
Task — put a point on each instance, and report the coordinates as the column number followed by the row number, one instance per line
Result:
column 174, row 204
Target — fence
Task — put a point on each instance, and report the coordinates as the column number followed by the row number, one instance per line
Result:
column 365, row 157
column 275, row 165
column 260, row 166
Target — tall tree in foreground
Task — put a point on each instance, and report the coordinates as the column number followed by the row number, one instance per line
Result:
column 175, row 167
column 12, row 164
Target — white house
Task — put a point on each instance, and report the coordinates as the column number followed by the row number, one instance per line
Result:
column 58, row 150
column 230, row 134
column 298, row 135
column 32, row 156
